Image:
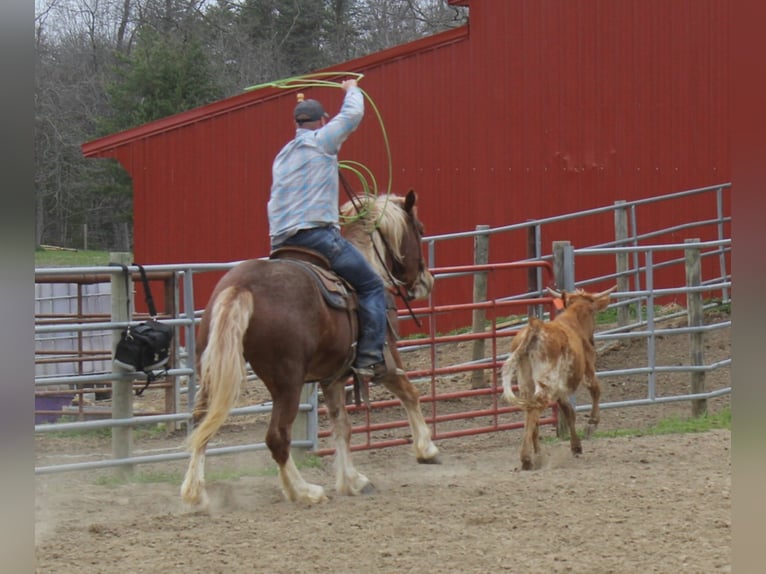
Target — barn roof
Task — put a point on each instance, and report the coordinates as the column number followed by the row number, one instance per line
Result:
column 102, row 146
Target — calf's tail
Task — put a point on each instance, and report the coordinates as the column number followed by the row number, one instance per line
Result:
column 523, row 340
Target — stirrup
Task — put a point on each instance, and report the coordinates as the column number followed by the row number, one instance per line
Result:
column 371, row 375
column 377, row 372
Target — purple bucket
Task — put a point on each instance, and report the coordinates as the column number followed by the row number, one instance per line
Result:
column 51, row 403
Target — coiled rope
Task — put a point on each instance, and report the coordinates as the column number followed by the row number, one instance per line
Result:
column 363, row 173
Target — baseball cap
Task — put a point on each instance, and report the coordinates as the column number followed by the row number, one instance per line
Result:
column 309, row 111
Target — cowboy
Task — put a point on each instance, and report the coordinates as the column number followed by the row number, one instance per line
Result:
column 303, row 211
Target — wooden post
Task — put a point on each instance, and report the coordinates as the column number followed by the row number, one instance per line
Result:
column 563, row 273
column 695, row 316
column 122, row 389
column 563, row 265
column 480, row 257
column 623, row 281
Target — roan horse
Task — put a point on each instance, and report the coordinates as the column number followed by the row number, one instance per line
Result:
column 271, row 314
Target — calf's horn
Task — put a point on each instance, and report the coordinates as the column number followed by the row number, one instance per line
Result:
column 607, row 292
column 553, row 292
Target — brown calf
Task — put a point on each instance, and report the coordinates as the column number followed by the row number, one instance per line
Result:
column 549, row 360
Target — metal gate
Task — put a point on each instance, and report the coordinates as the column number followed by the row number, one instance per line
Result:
column 455, row 372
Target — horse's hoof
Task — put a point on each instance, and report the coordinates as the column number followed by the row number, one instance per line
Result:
column 369, row 488
column 433, row 460
column 590, row 429
column 197, row 505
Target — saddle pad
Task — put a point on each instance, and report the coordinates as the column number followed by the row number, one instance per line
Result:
column 336, row 292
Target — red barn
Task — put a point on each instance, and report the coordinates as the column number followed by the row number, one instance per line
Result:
column 535, row 108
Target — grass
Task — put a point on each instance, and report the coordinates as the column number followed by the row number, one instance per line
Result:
column 139, row 432
column 670, row 425
column 678, row 425
column 76, row 258
column 608, row 316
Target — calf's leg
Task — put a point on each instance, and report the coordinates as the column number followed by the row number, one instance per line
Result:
column 530, row 442
column 569, row 413
column 594, row 388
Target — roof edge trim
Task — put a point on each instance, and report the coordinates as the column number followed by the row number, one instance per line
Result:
column 102, row 146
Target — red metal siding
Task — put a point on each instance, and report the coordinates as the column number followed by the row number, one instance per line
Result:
column 536, row 108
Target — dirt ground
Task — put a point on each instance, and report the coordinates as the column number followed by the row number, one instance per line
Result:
column 650, row 504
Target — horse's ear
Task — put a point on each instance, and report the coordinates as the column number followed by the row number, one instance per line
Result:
column 409, row 201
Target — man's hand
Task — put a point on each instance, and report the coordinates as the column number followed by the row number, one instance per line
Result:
column 347, row 84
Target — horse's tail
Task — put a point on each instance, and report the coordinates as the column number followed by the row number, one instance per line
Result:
column 525, row 338
column 222, row 365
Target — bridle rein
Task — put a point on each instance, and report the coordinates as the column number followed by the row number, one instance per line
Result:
column 396, row 266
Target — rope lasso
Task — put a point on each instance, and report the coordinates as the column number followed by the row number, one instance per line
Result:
column 315, row 80
column 363, row 173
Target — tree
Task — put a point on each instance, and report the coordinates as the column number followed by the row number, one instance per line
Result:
column 71, row 59
column 107, row 65
column 163, row 75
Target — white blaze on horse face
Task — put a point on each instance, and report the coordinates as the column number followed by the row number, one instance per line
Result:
column 423, row 286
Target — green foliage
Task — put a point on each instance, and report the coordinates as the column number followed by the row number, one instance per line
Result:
column 165, row 74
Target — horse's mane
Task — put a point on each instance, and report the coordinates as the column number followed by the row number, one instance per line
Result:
column 364, row 214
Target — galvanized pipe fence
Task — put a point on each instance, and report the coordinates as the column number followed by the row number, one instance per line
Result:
column 494, row 321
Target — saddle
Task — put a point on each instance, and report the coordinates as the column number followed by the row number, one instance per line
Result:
column 335, row 290
column 339, row 294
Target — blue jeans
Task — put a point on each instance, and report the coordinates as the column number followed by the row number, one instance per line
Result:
column 348, row 262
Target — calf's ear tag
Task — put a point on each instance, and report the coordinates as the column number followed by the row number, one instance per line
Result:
column 558, row 303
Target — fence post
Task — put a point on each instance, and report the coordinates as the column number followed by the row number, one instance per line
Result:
column 122, row 389
column 563, row 274
column 563, row 265
column 305, row 425
column 695, row 318
column 170, row 289
column 621, row 236
column 480, row 257
column 533, row 273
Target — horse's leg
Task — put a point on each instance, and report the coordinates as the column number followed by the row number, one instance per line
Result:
column 425, row 450
column 536, row 438
column 569, row 414
column 286, row 400
column 347, row 479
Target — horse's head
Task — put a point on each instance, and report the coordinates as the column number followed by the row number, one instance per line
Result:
column 389, row 235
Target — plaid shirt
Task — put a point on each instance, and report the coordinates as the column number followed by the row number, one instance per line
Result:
column 304, row 190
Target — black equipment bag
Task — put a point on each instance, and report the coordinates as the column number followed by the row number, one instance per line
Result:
column 146, row 346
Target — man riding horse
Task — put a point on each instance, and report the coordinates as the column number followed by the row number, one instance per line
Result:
column 272, row 315
column 303, row 212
